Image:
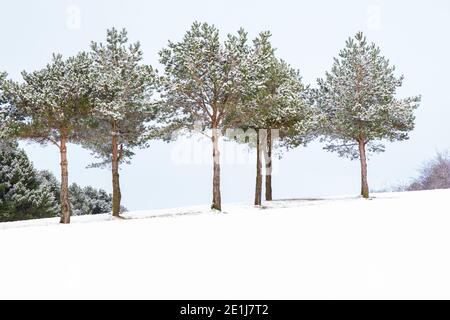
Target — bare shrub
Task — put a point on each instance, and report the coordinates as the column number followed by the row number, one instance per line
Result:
column 435, row 174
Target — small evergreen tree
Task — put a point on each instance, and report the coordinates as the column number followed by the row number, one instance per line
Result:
column 121, row 95
column 358, row 104
column 203, row 83
column 89, row 201
column 5, row 116
column 83, row 201
column 2, row 96
column 22, row 194
column 51, row 104
column 48, row 179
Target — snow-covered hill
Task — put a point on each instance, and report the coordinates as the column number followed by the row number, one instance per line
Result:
column 394, row 246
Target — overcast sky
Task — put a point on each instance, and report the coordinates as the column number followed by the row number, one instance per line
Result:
column 414, row 35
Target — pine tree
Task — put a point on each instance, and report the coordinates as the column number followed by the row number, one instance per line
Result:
column 89, row 201
column 274, row 103
column 22, row 195
column 203, row 83
column 358, row 104
column 48, row 179
column 52, row 104
column 2, row 95
column 5, row 115
column 83, row 201
column 122, row 92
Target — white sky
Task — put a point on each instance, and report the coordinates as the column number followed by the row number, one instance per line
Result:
column 414, row 35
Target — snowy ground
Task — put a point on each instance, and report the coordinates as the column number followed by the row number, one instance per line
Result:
column 394, row 246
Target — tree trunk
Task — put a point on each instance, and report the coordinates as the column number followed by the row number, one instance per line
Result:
column 258, row 187
column 115, row 176
column 64, row 197
column 363, row 159
column 217, row 201
column 268, row 155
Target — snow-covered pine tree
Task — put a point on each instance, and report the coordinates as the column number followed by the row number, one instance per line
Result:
column 202, row 84
column 52, row 104
column 22, row 194
column 83, row 200
column 358, row 104
column 274, row 101
column 89, row 201
column 2, row 95
column 99, row 201
column 122, row 99
column 5, row 116
column 49, row 180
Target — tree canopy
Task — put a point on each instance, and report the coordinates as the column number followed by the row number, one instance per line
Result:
column 358, row 100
